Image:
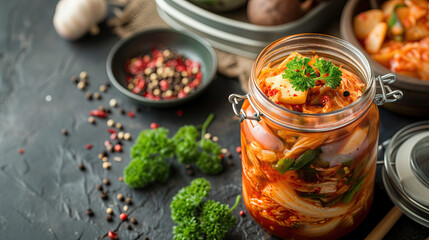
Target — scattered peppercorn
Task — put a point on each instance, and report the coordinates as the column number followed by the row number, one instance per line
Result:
column 110, row 123
column 127, row 136
column 207, row 136
column 81, row 167
column 121, row 111
column 106, row 181
column 120, row 197
column 190, row 172
column 74, row 79
column 120, row 179
column 215, row 139
column 102, row 88
column 238, row 149
column 104, row 159
column 133, row 220
column 21, row 151
column 119, row 126
column 99, row 187
column 123, row 216
column 188, row 166
column 112, row 235
column 117, row 159
column 109, row 218
column 88, row 95
column 81, row 85
column 154, row 125
column 89, row 212
column 109, row 211
column 346, row 93
column 128, row 201
column 118, row 148
column 88, row 146
column 242, row 213
column 97, row 95
column 83, row 75
column 107, row 165
column 131, row 114
column 91, row 120
column 103, row 195
column 125, row 208
column 64, row 132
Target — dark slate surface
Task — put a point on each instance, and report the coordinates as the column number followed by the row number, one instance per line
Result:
column 45, row 196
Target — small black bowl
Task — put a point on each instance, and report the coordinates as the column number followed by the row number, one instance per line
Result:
column 140, row 43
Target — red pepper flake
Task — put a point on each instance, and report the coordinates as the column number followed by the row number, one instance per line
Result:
column 123, row 216
column 238, row 149
column 297, row 107
column 326, row 100
column 154, row 125
column 131, row 114
column 112, row 235
column 273, row 92
column 295, row 95
column 180, row 113
column 111, row 130
column 88, row 146
column 98, row 113
column 21, row 151
column 118, row 148
column 242, row 213
column 221, row 156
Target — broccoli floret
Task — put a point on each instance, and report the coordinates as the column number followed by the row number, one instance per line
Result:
column 186, row 145
column 187, row 229
column 145, row 170
column 209, row 160
column 216, row 219
column 188, row 199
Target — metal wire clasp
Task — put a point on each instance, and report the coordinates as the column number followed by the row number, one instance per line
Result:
column 234, row 99
column 387, row 94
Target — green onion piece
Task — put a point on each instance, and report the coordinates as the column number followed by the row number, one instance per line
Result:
column 307, row 157
column 354, row 189
column 283, row 165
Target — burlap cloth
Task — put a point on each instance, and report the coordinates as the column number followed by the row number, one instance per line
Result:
column 137, row 15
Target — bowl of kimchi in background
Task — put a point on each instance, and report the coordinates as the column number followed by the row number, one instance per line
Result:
column 415, row 89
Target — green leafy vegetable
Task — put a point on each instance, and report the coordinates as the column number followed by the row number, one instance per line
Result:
column 198, row 220
column 153, row 148
column 186, row 145
column 354, row 189
column 148, row 155
column 288, row 164
column 152, row 141
column 145, row 170
column 284, row 164
column 216, row 219
column 394, row 26
column 187, row 229
column 303, row 76
column 329, row 72
column 188, row 199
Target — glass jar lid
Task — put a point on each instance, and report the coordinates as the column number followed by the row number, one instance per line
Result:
column 406, row 171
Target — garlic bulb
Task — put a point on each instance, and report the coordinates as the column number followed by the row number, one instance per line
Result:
column 73, row 18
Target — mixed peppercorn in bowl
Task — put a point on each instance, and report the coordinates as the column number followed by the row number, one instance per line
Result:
column 161, row 67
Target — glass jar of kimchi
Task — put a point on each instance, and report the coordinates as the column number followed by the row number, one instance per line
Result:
column 309, row 156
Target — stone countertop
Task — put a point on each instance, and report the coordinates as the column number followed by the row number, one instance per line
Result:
column 44, row 195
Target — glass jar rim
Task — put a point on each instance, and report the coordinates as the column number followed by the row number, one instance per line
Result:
column 364, row 101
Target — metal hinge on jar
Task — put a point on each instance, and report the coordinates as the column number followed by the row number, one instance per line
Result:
column 234, row 99
column 387, row 95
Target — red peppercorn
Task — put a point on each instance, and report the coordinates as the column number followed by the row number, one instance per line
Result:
column 242, row 213
column 118, row 148
column 107, row 143
column 98, row 113
column 131, row 114
column 21, row 151
column 88, row 146
column 179, row 113
column 154, row 125
column 112, row 235
column 113, row 136
column 123, row 216
column 238, row 149
column 221, row 156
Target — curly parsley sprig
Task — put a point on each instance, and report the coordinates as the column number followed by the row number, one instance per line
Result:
column 303, row 76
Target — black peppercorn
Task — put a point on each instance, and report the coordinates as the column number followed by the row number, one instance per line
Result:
column 64, row 132
column 133, row 220
column 346, row 93
column 128, row 201
column 129, row 227
column 106, row 181
column 99, row 187
column 109, row 218
column 103, row 195
column 81, row 167
column 89, row 212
